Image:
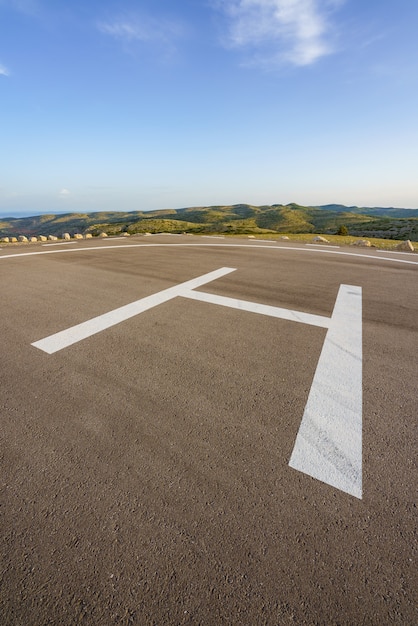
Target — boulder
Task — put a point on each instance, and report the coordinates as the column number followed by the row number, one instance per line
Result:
column 362, row 243
column 251, row 236
column 42, row 238
column 33, row 239
column 319, row 239
column 89, row 236
column 125, row 234
column 284, row 238
column 4, row 240
column 22, row 238
column 13, row 239
column 52, row 238
column 66, row 236
column 102, row 235
column 78, row 236
column 406, row 246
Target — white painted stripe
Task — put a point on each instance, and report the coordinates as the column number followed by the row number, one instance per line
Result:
column 67, row 337
column 329, row 442
column 263, row 309
column 59, row 243
column 393, row 251
column 324, row 245
column 279, row 248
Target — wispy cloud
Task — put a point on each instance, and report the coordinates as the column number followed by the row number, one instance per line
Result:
column 4, row 71
column 28, row 7
column 64, row 193
column 296, row 32
column 145, row 29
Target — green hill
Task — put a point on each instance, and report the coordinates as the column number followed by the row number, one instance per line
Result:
column 387, row 223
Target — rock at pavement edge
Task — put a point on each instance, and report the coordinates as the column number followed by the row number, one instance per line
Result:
column 406, row 246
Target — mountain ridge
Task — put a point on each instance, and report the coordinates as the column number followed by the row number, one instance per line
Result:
column 390, row 222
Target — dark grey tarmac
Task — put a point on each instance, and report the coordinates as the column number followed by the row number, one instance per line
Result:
column 144, row 470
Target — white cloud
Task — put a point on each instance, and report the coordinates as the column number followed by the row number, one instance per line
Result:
column 4, row 71
column 143, row 28
column 64, row 193
column 125, row 29
column 298, row 32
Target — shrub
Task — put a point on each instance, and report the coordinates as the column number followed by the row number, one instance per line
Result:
column 342, row 231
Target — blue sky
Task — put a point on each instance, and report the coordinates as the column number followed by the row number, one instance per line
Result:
column 151, row 104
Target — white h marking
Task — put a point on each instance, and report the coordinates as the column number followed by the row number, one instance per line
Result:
column 329, row 442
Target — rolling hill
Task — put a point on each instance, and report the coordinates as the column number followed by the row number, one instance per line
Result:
column 390, row 223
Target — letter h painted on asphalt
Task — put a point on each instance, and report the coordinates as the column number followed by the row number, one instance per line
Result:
column 328, row 445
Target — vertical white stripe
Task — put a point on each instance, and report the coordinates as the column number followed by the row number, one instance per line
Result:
column 329, row 442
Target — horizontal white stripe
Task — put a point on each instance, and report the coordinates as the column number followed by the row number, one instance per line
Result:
column 324, row 245
column 393, row 251
column 262, row 309
column 280, row 248
column 59, row 243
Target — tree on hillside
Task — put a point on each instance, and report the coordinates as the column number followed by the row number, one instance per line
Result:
column 343, row 231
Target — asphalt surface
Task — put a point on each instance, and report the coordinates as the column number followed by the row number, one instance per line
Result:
column 145, row 471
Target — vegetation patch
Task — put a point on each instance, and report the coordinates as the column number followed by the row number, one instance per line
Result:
column 238, row 219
